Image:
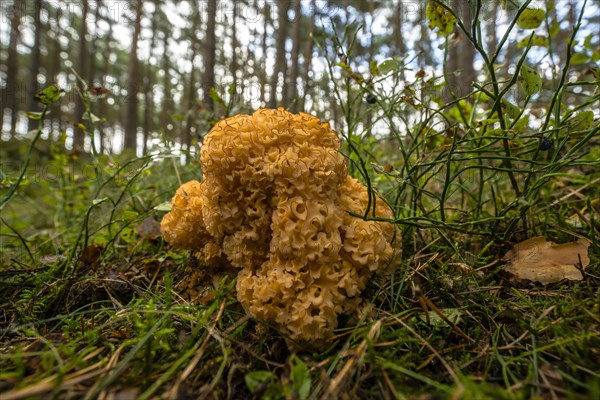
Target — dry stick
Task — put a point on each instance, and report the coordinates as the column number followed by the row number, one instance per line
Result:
column 573, row 192
column 336, row 383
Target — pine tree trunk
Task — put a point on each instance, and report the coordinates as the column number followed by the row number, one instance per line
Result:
column 78, row 134
column 167, row 103
column 131, row 120
column 35, row 60
column 107, row 70
column 208, row 80
column 263, row 64
column 460, row 69
column 234, row 65
column 398, row 37
column 10, row 95
column 54, row 68
column 308, row 51
column 280, row 59
column 292, row 91
column 148, row 95
column 191, row 99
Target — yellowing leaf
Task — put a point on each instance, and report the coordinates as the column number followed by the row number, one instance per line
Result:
column 541, row 261
column 531, row 18
column 531, row 81
column 33, row 115
column 537, row 40
column 49, row 95
column 440, row 18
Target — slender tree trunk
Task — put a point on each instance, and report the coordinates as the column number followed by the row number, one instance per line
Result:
column 424, row 47
column 191, row 105
column 167, row 103
column 370, row 50
column 92, row 70
column 130, row 123
column 460, row 69
column 106, row 72
column 148, row 95
column 208, row 80
column 263, row 64
column 492, row 39
column 10, row 94
column 308, row 51
column 78, row 134
column 35, row 59
column 280, row 58
column 398, row 36
column 234, row 65
column 54, row 67
column 292, row 91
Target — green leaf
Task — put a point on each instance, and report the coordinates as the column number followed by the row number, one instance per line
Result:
column 587, row 43
column 49, row 95
column 94, row 118
column 537, row 40
column 531, row 81
column 596, row 73
column 95, row 202
column 582, row 121
column 522, row 124
column 301, row 379
column 373, row 70
column 216, row 98
column 487, row 121
column 531, row 18
column 439, row 18
column 460, row 109
column 510, row 109
column 344, row 66
column 554, row 28
column 166, row 206
column 33, row 115
column 495, row 132
column 387, row 65
column 453, row 315
column 256, row 380
column 128, row 235
column 579, row 58
column 178, row 117
column 129, row 215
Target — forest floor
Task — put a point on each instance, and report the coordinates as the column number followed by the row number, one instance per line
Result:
column 127, row 317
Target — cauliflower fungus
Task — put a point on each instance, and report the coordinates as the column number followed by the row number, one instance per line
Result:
column 275, row 201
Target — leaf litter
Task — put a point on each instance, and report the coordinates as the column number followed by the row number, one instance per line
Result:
column 539, row 260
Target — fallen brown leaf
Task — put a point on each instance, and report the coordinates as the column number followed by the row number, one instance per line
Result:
column 546, row 262
column 149, row 229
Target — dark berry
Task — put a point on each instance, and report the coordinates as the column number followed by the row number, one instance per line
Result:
column 371, row 98
column 545, row 144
